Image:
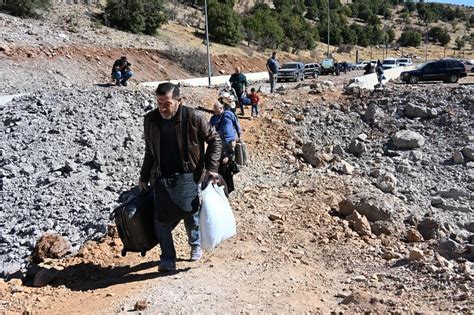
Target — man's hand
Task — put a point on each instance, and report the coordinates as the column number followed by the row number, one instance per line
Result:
column 212, row 176
column 143, row 186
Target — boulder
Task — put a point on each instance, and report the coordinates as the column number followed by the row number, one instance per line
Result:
column 358, row 297
column 414, row 236
column 50, row 246
column 383, row 227
column 347, row 168
column 372, row 205
column 468, row 152
column 141, row 305
column 407, row 139
column 414, row 111
column 373, row 114
column 429, row 228
column 449, row 248
column 357, row 147
column 312, row 155
column 416, row 254
column 44, row 277
column 359, row 223
column 458, row 158
column 387, row 183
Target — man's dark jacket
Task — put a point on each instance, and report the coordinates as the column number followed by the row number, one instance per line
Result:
column 199, row 132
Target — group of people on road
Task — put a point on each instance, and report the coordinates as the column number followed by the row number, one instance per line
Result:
column 377, row 69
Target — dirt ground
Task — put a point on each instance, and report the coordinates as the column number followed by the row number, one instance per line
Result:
column 305, row 261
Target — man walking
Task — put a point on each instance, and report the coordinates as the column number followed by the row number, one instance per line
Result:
column 174, row 164
column 121, row 71
column 272, row 67
column 239, row 83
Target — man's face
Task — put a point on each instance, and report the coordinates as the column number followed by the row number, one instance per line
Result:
column 274, row 56
column 237, row 70
column 218, row 109
column 167, row 105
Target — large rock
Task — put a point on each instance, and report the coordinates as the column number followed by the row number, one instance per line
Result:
column 373, row 114
column 50, row 246
column 44, row 277
column 429, row 228
column 359, row 223
column 416, row 254
column 374, row 206
column 414, row 111
column 358, row 297
column 413, row 236
column 312, row 155
column 387, row 183
column 449, row 248
column 407, row 139
column 357, row 147
column 468, row 152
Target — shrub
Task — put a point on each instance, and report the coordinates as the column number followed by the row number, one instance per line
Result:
column 262, row 27
column 439, row 34
column 25, row 8
column 224, row 24
column 136, row 16
column 410, row 38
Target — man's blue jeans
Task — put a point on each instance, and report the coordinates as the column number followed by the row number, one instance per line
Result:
column 122, row 77
column 165, row 237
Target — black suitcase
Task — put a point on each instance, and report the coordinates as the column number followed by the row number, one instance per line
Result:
column 135, row 223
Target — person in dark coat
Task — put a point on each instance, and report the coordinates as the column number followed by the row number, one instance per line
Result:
column 121, row 71
column 239, row 83
column 174, row 164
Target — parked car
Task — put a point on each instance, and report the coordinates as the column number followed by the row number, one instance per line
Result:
column 327, row 67
column 389, row 63
column 291, row 71
column 469, row 65
column 351, row 66
column 311, row 70
column 361, row 65
column 404, row 62
column 447, row 70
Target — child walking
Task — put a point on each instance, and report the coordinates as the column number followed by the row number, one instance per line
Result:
column 255, row 102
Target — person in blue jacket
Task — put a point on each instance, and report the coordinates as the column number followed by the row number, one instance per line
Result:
column 227, row 125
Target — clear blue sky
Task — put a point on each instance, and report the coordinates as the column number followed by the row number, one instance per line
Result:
column 465, row 2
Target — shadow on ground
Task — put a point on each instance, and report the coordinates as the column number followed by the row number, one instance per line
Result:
column 88, row 276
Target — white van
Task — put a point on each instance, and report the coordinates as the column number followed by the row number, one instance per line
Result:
column 389, row 63
column 404, row 62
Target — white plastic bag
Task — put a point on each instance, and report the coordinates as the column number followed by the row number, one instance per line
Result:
column 216, row 220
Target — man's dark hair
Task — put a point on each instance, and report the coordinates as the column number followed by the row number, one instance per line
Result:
column 166, row 88
column 252, row 90
column 274, row 53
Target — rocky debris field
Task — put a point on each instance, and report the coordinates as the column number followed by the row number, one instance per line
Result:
column 65, row 156
column 335, row 210
column 411, row 146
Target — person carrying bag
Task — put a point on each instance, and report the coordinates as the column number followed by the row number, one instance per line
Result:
column 174, row 165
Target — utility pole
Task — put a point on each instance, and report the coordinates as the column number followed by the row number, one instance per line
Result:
column 327, row 54
column 207, row 44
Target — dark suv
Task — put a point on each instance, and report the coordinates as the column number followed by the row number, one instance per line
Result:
column 291, row 71
column 311, row 70
column 447, row 70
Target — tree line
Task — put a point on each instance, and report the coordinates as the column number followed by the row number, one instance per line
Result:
column 290, row 25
